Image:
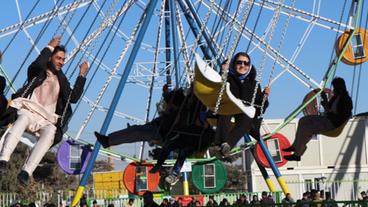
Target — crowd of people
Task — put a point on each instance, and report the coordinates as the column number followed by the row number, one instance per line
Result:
column 265, row 200
column 312, row 198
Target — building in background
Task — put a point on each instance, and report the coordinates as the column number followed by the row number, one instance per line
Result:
column 338, row 165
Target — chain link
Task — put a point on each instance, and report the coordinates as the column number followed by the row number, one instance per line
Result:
column 203, row 27
column 64, row 23
column 91, row 47
column 282, row 40
column 190, row 73
column 232, row 50
column 275, row 19
column 113, row 72
column 65, row 108
column 221, row 93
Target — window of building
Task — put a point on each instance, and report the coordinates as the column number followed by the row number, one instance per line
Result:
column 357, row 46
column 209, row 176
column 141, row 183
column 75, row 157
column 308, row 185
column 274, row 149
column 318, row 183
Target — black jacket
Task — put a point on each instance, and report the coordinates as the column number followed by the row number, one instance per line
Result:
column 3, row 100
column 38, row 70
column 244, row 89
column 344, row 108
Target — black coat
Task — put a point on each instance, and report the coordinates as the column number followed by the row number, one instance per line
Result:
column 37, row 72
column 3, row 100
column 344, row 108
column 244, row 89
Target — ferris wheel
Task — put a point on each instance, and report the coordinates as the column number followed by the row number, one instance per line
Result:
column 135, row 47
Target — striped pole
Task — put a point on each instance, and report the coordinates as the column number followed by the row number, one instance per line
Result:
column 185, row 184
column 273, row 166
column 263, row 170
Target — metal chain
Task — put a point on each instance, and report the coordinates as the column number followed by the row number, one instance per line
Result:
column 282, row 40
column 229, row 32
column 113, row 72
column 243, row 21
column 112, row 5
column 65, row 108
column 190, row 74
column 158, row 40
column 91, row 47
column 275, row 19
column 64, row 23
column 203, row 27
column 88, row 40
column 221, row 93
column 232, row 50
column 149, row 100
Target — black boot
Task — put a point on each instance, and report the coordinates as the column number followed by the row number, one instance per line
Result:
column 292, row 157
column 102, row 139
column 23, row 178
column 289, row 149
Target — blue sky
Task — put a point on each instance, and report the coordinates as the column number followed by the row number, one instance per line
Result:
column 286, row 92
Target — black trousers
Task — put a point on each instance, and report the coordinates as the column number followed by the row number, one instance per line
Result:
column 225, row 132
column 187, row 141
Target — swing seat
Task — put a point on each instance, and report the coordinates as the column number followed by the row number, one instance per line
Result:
column 29, row 139
column 336, row 132
column 73, row 157
column 207, row 86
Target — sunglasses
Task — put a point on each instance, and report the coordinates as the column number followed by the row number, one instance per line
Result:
column 240, row 62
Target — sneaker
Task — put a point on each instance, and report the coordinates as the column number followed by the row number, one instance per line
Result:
column 23, row 178
column 102, row 139
column 292, row 157
column 225, row 149
column 172, row 179
column 3, row 166
column 155, row 169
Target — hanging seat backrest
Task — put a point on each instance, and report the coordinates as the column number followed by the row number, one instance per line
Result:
column 336, row 132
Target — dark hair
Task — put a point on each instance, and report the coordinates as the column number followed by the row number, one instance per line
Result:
column 236, row 56
column 58, row 49
column 339, row 85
